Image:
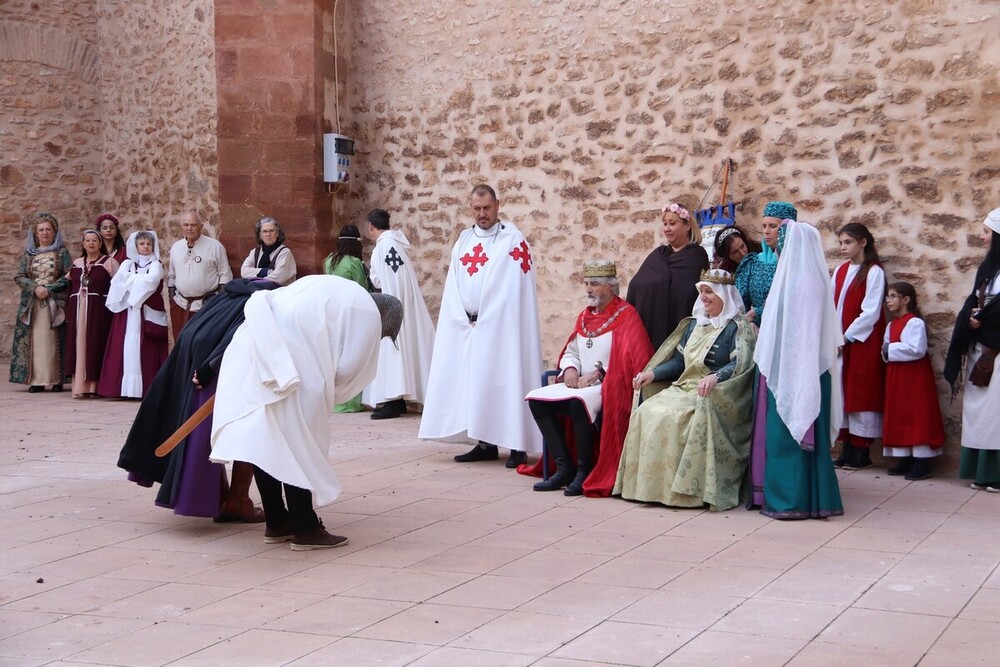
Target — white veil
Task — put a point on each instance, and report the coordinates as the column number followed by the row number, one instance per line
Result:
column 800, row 336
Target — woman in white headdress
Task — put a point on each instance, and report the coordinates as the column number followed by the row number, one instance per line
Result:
column 689, row 441
column 797, row 354
column 137, row 346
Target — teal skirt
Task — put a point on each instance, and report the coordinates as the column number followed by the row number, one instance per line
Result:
column 800, row 484
column 981, row 465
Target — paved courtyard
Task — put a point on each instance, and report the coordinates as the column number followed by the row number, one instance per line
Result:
column 453, row 564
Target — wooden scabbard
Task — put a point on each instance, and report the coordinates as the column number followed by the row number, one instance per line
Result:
column 192, row 422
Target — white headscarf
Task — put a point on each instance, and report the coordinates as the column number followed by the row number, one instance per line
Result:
column 732, row 302
column 132, row 251
column 801, row 335
column 993, row 220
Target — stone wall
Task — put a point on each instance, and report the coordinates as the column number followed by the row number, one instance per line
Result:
column 589, row 115
column 106, row 105
column 160, row 113
column 50, row 129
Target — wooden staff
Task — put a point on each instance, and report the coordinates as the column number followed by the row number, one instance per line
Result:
column 192, row 422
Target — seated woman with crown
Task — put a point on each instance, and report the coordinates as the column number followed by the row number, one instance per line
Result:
column 689, row 441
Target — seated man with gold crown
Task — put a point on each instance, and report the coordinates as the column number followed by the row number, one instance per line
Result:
column 689, row 442
column 608, row 346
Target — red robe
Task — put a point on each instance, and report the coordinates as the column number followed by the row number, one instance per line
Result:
column 98, row 318
column 630, row 351
column 912, row 413
column 864, row 370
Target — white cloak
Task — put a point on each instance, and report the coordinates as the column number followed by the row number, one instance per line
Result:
column 302, row 349
column 481, row 372
column 403, row 371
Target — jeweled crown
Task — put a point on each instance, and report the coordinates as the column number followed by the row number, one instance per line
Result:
column 599, row 269
column 717, row 276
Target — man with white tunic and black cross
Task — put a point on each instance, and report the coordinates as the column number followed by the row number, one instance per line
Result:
column 403, row 367
column 487, row 350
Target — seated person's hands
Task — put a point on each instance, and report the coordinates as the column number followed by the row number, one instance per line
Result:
column 642, row 379
column 706, row 384
column 571, row 377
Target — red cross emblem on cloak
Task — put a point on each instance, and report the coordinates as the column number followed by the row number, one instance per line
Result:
column 475, row 260
column 521, row 254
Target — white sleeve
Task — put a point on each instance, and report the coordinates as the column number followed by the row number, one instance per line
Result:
column 571, row 357
column 225, row 271
column 248, row 270
column 871, row 307
column 912, row 343
column 284, row 267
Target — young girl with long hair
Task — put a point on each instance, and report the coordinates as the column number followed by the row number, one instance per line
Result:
column 859, row 293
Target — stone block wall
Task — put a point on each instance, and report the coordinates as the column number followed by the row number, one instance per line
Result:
column 589, row 116
column 105, row 105
column 270, row 120
column 50, row 129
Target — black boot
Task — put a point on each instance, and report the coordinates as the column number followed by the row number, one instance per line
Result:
column 901, row 468
column 584, row 432
column 859, row 458
column 564, row 470
column 921, row 469
column 484, row 451
column 845, row 453
column 390, row 409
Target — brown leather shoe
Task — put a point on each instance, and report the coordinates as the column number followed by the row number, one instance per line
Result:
column 246, row 514
column 317, row 538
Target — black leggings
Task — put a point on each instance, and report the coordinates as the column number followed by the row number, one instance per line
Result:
column 299, row 516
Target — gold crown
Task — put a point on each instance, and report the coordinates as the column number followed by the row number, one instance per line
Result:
column 718, row 276
column 599, row 269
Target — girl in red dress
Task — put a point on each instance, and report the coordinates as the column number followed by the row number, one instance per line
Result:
column 859, row 291
column 912, row 429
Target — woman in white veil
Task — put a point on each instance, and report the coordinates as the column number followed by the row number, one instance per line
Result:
column 137, row 346
column 797, row 353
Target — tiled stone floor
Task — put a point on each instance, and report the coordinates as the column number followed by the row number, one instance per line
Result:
column 454, row 564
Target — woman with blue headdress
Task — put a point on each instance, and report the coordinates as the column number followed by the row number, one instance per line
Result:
column 39, row 332
column 754, row 276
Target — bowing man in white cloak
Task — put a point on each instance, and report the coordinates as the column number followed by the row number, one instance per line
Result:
column 487, row 351
column 402, row 369
column 302, row 349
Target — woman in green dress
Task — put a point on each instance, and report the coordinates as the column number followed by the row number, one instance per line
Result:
column 688, row 443
column 346, row 263
column 796, row 352
column 40, row 331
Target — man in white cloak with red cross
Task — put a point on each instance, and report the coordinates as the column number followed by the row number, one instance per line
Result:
column 487, row 350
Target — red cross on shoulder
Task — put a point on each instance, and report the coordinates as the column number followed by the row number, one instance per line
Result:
column 523, row 255
column 475, row 260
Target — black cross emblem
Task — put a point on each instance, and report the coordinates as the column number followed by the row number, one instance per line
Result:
column 393, row 260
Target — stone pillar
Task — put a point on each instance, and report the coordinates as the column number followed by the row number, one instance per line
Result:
column 270, row 100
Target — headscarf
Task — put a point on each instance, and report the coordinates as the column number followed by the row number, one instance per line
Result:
column 732, row 302
column 781, row 210
column 768, row 256
column 32, row 244
column 800, row 337
column 993, row 220
column 132, row 249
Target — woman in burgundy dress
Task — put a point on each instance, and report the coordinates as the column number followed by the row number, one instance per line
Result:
column 112, row 240
column 137, row 346
column 88, row 320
